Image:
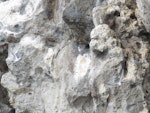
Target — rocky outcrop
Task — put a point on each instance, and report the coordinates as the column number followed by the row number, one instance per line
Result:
column 75, row 56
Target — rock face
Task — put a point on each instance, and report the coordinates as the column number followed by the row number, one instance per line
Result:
column 75, row 56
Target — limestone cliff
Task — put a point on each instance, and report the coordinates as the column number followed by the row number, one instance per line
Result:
column 75, row 56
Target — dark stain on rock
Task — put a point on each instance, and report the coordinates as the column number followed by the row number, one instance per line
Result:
column 50, row 7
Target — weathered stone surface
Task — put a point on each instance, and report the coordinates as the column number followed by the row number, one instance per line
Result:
column 79, row 18
column 74, row 56
column 101, row 38
column 143, row 9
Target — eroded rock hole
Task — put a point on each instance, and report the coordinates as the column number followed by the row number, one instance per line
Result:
column 132, row 16
column 101, row 55
column 110, row 21
column 116, row 13
column 50, row 42
column 144, row 35
column 138, row 45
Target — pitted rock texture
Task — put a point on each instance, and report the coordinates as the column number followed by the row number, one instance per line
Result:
column 75, row 56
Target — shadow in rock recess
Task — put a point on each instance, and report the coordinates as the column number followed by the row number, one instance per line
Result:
column 5, row 106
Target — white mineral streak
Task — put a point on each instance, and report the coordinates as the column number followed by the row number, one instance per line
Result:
column 49, row 57
column 81, row 66
column 36, row 42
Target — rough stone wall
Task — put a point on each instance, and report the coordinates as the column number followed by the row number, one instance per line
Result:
column 74, row 56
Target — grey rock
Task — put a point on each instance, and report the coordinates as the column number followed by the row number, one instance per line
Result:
column 74, row 56
column 143, row 8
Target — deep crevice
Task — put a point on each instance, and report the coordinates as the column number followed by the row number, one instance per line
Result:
column 5, row 106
